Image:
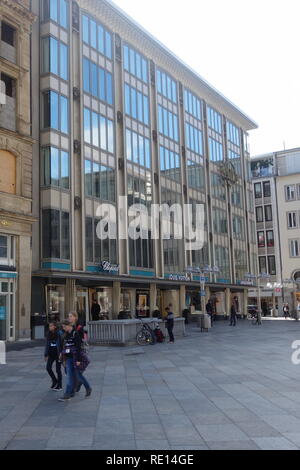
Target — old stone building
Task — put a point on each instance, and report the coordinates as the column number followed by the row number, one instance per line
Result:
column 15, row 169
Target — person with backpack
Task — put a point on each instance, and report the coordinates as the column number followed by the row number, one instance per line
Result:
column 170, row 324
column 74, row 361
column 52, row 354
column 73, row 318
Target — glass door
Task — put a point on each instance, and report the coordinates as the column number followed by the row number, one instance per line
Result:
column 7, row 310
column 3, row 316
column 82, row 305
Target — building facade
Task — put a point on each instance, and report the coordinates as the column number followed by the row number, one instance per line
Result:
column 120, row 115
column 15, row 170
column 276, row 180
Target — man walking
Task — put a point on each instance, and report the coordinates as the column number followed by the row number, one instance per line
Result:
column 170, row 324
column 95, row 311
column 233, row 314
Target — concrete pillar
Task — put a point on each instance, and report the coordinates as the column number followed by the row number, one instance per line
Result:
column 227, row 301
column 116, row 299
column 133, row 302
column 70, row 296
column 182, row 304
column 207, row 294
column 153, row 298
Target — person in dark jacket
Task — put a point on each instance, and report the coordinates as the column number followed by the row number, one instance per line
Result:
column 52, row 354
column 72, row 359
column 170, row 324
column 95, row 311
column 210, row 310
column 233, row 314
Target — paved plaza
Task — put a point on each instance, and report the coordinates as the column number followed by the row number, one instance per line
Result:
column 231, row 388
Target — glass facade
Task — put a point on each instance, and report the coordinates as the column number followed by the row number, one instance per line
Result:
column 55, row 57
column 56, row 11
column 96, row 36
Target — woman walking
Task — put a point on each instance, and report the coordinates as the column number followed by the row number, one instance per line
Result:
column 52, row 354
column 75, row 361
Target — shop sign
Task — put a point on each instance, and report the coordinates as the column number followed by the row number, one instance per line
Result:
column 179, row 277
column 110, row 268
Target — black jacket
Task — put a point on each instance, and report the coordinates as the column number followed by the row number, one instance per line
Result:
column 53, row 346
column 170, row 320
column 95, row 311
column 233, row 310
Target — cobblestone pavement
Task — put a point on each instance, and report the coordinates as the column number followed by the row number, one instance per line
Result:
column 231, row 388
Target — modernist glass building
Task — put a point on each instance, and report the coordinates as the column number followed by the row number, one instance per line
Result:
column 120, row 115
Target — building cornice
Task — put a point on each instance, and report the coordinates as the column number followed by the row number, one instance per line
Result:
column 13, row 216
column 19, row 9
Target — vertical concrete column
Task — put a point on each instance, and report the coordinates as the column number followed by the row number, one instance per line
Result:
column 153, row 298
column 227, row 301
column 70, row 300
column 182, row 304
column 133, row 302
column 116, row 300
column 207, row 294
column 23, row 304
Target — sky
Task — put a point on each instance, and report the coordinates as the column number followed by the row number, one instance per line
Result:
column 249, row 50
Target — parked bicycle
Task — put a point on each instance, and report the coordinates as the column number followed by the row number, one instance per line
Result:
column 145, row 335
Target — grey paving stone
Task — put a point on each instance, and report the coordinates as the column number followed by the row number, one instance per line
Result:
column 64, row 437
column 113, row 427
column 258, row 429
column 274, row 443
column 112, row 444
column 26, row 445
column 294, row 437
column 149, row 431
column 152, row 445
column 34, row 433
column 221, row 432
column 283, row 423
column 233, row 445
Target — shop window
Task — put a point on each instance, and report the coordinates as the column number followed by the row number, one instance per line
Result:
column 55, row 296
column 7, row 172
column 10, row 85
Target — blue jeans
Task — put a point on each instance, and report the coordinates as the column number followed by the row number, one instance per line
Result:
column 70, row 376
column 81, row 379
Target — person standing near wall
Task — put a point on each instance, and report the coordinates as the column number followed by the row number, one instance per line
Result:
column 170, row 324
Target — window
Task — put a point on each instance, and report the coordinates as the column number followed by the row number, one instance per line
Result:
column 138, row 149
column 168, row 123
column 7, row 250
column 193, row 105
column 8, row 34
column 290, row 192
column 57, row 11
column 98, row 82
column 136, row 105
column 166, row 86
column 102, row 136
column 238, row 227
column 257, row 191
column 298, row 191
column 56, row 234
column 214, row 120
column 261, row 239
column 135, row 64
column 218, row 188
column 215, row 150
column 270, row 238
column 268, row 214
column 169, row 164
column 55, row 57
column 99, row 181
column 259, row 214
column 10, row 85
column 272, row 265
column 262, row 264
column 56, row 112
column 292, row 220
column 236, row 195
column 233, row 134
column 220, row 221
column 267, row 189
column 194, row 139
column 195, row 175
column 96, row 36
column 56, row 168
column 294, row 248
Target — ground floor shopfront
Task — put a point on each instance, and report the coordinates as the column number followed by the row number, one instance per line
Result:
column 56, row 295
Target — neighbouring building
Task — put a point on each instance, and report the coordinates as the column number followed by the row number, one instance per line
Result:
column 117, row 114
column 15, row 170
column 276, row 180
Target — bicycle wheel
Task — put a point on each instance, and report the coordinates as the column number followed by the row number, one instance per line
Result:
column 143, row 338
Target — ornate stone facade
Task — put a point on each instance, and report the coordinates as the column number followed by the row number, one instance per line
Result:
column 16, row 198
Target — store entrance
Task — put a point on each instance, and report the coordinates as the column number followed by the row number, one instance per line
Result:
column 7, row 306
column 82, row 305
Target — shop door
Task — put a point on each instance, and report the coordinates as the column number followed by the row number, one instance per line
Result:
column 7, row 308
column 82, row 306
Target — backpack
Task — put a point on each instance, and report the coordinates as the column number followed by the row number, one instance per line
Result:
column 160, row 338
